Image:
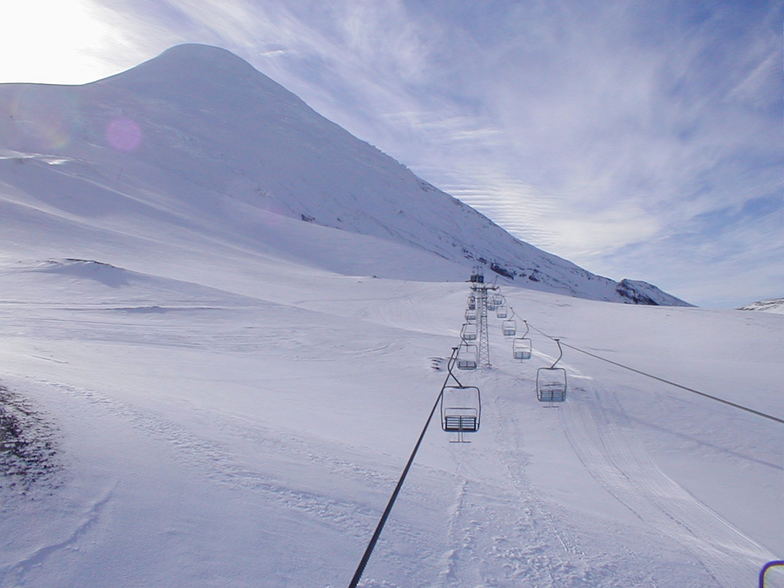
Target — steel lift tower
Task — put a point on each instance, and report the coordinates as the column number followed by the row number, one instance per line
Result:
column 479, row 290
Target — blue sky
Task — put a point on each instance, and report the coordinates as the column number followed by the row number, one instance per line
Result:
column 639, row 139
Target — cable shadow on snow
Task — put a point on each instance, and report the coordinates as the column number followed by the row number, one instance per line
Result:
column 620, row 416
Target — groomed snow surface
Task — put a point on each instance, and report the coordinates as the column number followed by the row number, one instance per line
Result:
column 244, row 425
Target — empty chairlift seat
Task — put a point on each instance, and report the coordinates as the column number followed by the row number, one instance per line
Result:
column 467, row 357
column 471, row 302
column 461, row 408
column 509, row 328
column 521, row 348
column 501, row 312
column 551, row 384
column 468, row 332
column 470, row 315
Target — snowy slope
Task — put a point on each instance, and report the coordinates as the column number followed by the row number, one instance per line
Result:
column 249, row 435
column 196, row 135
column 773, row 305
column 198, row 388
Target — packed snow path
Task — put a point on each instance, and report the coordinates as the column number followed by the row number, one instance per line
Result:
column 208, row 440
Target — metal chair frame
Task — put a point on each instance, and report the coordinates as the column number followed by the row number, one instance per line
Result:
column 461, row 406
column 556, row 391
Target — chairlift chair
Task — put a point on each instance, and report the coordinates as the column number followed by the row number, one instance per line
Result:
column 521, row 348
column 470, row 314
column 471, row 302
column 467, row 356
column 494, row 301
column 501, row 312
column 461, row 409
column 551, row 382
column 468, row 332
column 509, row 328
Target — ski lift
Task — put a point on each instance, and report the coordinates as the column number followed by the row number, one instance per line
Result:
column 522, row 345
column 467, row 356
column 471, row 302
column 498, row 300
column 468, row 332
column 509, row 328
column 551, row 382
column 493, row 301
column 521, row 348
column 501, row 312
column 470, row 314
column 461, row 408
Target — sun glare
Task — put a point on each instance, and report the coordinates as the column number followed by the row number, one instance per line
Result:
column 52, row 41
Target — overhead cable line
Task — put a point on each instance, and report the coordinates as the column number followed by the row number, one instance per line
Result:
column 671, row 383
column 380, row 526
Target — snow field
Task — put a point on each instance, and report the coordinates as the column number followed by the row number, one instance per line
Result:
column 211, row 439
column 233, row 398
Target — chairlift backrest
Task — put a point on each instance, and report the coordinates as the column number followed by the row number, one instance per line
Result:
column 521, row 348
column 461, row 409
column 551, row 384
column 467, row 357
column 468, row 332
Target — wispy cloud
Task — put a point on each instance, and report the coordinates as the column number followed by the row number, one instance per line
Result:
column 637, row 139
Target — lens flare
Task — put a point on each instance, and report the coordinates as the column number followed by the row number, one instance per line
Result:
column 124, row 134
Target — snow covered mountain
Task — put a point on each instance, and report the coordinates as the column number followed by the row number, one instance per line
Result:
column 773, row 305
column 196, row 140
column 199, row 387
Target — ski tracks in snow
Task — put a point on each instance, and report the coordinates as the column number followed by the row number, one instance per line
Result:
column 500, row 533
column 596, row 427
column 217, row 462
column 15, row 574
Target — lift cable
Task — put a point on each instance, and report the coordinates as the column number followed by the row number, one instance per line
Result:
column 371, row 545
column 716, row 398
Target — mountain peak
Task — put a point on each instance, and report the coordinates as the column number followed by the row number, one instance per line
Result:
column 198, row 136
column 205, row 56
column 188, row 67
